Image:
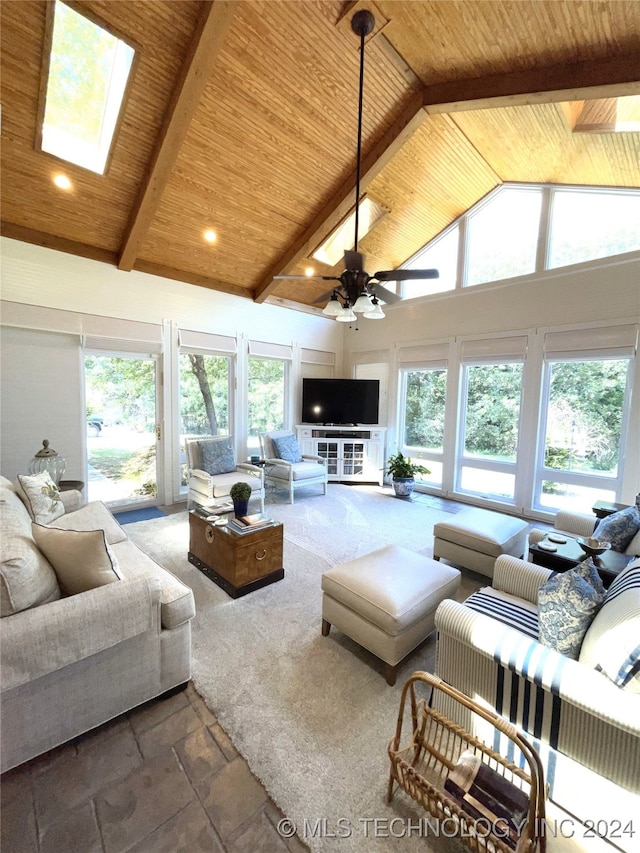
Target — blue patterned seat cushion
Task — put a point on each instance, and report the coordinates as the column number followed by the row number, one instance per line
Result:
column 217, row 456
column 619, row 528
column 287, row 448
column 567, row 605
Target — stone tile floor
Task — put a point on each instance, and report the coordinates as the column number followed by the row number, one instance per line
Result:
column 162, row 778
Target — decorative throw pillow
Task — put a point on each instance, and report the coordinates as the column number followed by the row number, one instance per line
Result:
column 287, row 448
column 81, row 559
column 619, row 528
column 26, row 578
column 612, row 643
column 217, row 456
column 41, row 497
column 567, row 604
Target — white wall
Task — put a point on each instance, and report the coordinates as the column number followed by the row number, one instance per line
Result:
column 592, row 294
column 74, row 293
column 46, row 405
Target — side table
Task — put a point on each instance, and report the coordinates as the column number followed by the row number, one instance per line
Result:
column 568, row 554
column 68, row 485
column 601, row 509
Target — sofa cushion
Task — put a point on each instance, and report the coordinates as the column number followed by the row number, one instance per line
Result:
column 633, row 547
column 217, row 455
column 81, row 559
column 41, row 496
column 301, row 471
column 92, row 516
column 287, row 448
column 26, row 577
column 612, row 643
column 619, row 528
column 177, row 602
column 567, row 604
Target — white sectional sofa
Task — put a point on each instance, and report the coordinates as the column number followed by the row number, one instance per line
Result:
column 70, row 662
column 585, row 726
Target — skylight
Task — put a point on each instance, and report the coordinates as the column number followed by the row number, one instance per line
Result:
column 341, row 238
column 88, row 73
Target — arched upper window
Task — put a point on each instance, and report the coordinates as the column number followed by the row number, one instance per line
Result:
column 521, row 229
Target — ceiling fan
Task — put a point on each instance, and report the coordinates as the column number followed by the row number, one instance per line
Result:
column 359, row 291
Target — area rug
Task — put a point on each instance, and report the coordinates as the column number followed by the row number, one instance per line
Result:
column 312, row 715
column 130, row 516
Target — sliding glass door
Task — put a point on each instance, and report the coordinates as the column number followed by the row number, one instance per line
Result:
column 123, row 429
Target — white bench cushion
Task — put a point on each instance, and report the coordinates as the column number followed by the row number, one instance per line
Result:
column 491, row 533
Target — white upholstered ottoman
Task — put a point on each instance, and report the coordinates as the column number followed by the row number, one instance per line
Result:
column 475, row 538
column 386, row 601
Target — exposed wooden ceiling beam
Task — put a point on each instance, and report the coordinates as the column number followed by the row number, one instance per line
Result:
column 604, row 78
column 193, row 278
column 206, row 44
column 344, row 199
column 59, row 244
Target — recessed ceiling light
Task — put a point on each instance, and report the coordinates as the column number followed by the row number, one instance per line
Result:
column 62, row 182
column 309, row 271
column 210, row 236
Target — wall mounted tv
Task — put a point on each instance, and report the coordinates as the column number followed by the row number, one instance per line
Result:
column 340, row 401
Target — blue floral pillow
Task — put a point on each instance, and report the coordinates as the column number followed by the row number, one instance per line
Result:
column 287, row 448
column 567, row 604
column 619, row 528
column 217, row 456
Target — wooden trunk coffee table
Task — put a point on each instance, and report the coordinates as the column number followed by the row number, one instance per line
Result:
column 568, row 554
column 239, row 563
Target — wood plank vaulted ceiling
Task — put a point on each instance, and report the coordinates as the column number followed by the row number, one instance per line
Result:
column 242, row 117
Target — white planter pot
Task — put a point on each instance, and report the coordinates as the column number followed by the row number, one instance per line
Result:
column 403, row 486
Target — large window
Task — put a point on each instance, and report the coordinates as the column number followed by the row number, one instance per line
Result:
column 204, row 399
column 490, row 425
column 588, row 225
column 519, row 230
column 266, row 398
column 503, row 236
column 582, row 424
column 423, row 418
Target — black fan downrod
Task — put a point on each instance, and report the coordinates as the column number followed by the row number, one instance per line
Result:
column 362, row 24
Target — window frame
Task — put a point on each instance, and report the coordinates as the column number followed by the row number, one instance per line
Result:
column 588, row 480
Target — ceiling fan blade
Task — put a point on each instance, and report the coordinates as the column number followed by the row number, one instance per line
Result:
column 381, row 292
column 354, row 261
column 310, row 277
column 405, row 275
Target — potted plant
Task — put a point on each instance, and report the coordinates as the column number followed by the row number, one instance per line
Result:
column 240, row 494
column 402, row 471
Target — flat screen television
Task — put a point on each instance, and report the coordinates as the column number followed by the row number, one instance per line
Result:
column 340, row 401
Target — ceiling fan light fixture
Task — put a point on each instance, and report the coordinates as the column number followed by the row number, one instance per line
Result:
column 362, row 304
column 333, row 307
column 346, row 315
column 375, row 312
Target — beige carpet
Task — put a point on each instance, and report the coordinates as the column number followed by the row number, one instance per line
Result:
column 312, row 715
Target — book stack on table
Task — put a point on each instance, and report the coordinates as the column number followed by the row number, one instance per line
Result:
column 248, row 523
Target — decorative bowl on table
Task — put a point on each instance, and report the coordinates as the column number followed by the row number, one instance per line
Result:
column 592, row 546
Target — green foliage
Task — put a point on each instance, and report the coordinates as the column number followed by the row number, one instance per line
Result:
column 240, row 492
column 400, row 466
column 424, row 408
column 193, row 411
column 265, row 395
column 493, row 410
column 123, row 385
